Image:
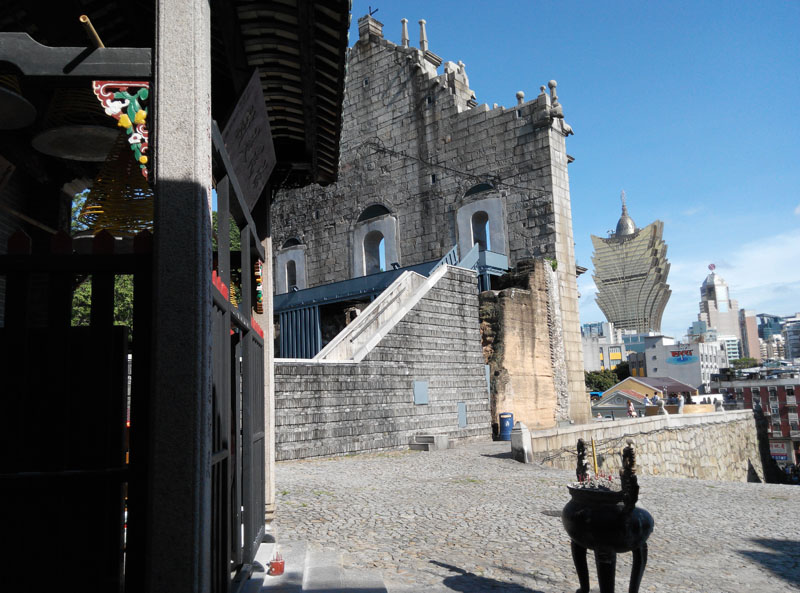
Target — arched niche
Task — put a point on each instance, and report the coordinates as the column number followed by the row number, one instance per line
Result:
column 375, row 225
column 374, row 253
column 482, row 221
column 481, row 234
column 290, row 266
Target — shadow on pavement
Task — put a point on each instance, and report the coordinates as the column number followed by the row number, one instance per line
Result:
column 469, row 582
column 783, row 561
column 503, row 455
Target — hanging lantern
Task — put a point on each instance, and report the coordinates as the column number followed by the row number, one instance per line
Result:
column 121, row 200
column 15, row 110
column 76, row 128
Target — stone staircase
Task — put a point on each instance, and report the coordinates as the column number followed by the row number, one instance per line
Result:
column 309, row 568
column 429, row 442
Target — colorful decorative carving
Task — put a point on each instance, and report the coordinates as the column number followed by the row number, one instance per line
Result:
column 122, row 100
column 259, row 270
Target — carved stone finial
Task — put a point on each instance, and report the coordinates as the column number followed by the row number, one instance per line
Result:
column 520, row 97
column 404, row 33
column 553, row 96
column 542, row 90
column 423, row 36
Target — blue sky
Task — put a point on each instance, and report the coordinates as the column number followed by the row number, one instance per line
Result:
column 690, row 107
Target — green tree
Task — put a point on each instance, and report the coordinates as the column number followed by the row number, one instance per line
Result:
column 123, row 301
column 622, row 371
column 82, row 295
column 600, row 380
column 235, row 234
column 743, row 363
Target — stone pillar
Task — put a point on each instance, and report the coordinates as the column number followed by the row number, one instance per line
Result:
column 265, row 321
column 179, row 463
column 404, row 33
column 423, row 37
column 580, row 408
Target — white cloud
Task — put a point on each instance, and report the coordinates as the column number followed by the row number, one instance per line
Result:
column 797, row 210
column 763, row 275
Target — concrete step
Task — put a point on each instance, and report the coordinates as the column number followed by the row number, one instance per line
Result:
column 310, row 569
column 363, row 581
column 294, row 555
column 429, row 442
column 323, row 571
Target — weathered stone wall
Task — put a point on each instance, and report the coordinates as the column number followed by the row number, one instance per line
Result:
column 714, row 446
column 523, row 345
column 325, row 408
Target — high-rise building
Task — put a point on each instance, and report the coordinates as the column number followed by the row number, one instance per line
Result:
column 717, row 309
column 748, row 327
column 699, row 332
column 791, row 336
column 773, row 348
column 630, row 271
column 769, row 325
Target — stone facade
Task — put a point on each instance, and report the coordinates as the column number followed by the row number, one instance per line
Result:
column 714, row 446
column 420, row 163
column 334, row 408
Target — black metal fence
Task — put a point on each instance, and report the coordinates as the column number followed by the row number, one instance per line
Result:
column 65, row 473
column 238, row 458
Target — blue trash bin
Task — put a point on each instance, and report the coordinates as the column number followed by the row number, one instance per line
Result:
column 506, row 424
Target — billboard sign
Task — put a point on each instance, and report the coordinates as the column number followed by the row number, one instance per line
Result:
column 681, row 356
column 779, row 450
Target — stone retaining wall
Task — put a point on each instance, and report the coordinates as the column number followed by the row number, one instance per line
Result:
column 714, row 446
column 335, row 408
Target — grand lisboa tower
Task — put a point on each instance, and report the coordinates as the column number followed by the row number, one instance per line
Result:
column 630, row 272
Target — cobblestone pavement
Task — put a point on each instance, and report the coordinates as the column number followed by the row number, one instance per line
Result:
column 472, row 519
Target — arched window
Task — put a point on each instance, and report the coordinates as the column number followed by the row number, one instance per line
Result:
column 374, row 241
column 480, row 231
column 290, row 266
column 482, row 222
column 291, row 275
column 374, row 253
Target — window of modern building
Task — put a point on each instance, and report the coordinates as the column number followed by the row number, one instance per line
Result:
column 790, row 390
column 775, row 410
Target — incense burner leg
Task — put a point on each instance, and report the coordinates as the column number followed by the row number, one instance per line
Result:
column 581, row 567
column 606, row 568
column 637, row 570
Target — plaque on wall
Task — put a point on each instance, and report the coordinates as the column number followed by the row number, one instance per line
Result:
column 248, row 140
